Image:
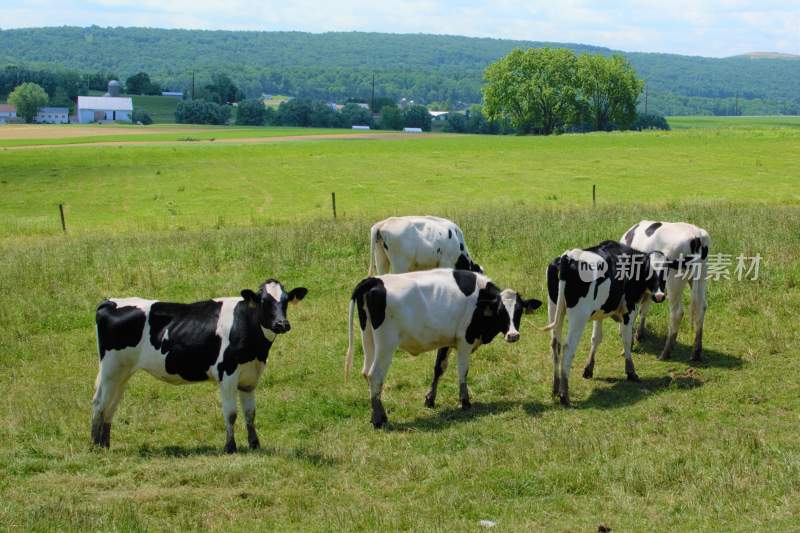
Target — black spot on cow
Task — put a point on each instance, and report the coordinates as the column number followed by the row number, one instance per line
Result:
column 629, row 235
column 703, row 252
column 461, row 246
column 651, row 229
column 566, row 269
column 118, row 327
column 370, row 294
column 247, row 340
column 694, row 245
column 486, row 321
column 466, row 281
column 449, row 233
column 463, row 263
column 187, row 335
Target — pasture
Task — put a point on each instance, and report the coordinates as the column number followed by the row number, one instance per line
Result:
column 693, row 446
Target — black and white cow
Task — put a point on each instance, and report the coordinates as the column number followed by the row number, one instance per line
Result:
column 422, row 311
column 607, row 280
column 686, row 246
column 225, row 339
column 406, row 244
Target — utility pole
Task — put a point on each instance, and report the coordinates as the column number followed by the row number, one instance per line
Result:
column 737, row 103
column 645, row 98
column 372, row 100
column 192, row 85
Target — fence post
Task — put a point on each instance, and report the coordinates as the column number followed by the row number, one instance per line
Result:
column 63, row 222
column 333, row 204
column 594, row 197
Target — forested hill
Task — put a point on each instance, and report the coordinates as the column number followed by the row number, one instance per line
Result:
column 426, row 68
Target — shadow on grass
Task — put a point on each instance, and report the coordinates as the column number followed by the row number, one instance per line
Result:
column 623, row 392
column 441, row 418
column 295, row 454
column 653, row 344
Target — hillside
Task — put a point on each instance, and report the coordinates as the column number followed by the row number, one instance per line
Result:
column 426, row 68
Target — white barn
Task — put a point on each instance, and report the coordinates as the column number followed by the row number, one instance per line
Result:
column 8, row 113
column 52, row 115
column 104, row 108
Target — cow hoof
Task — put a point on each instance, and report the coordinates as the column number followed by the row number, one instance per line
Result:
column 633, row 377
column 230, row 447
column 664, row 356
column 588, row 373
column 696, row 357
column 465, row 404
column 565, row 401
column 378, row 424
column 255, row 445
column 430, row 402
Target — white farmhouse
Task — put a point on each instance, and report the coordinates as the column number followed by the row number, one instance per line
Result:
column 52, row 115
column 8, row 113
column 104, row 108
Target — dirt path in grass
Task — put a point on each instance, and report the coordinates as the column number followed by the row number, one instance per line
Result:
column 241, row 140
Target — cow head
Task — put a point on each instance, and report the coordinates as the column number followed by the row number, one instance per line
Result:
column 499, row 312
column 465, row 262
column 271, row 302
column 657, row 281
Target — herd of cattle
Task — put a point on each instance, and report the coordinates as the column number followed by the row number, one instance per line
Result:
column 428, row 294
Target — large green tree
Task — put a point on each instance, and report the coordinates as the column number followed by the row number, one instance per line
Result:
column 609, row 90
column 534, row 88
column 28, row 98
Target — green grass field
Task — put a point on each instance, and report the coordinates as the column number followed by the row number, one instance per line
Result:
column 160, row 108
column 710, row 446
column 716, row 122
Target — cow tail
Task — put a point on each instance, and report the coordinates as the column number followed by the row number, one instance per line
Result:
column 561, row 302
column 348, row 362
column 373, row 238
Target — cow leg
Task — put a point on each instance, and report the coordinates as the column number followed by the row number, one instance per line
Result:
column 555, row 344
column 577, row 323
column 626, row 332
column 699, row 306
column 675, row 286
column 597, row 338
column 438, row 370
column 464, row 352
column 227, row 390
column 642, row 316
column 112, row 378
column 380, row 366
column 248, row 401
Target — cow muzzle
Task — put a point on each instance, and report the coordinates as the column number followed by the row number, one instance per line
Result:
column 658, row 297
column 282, row 326
column 512, row 336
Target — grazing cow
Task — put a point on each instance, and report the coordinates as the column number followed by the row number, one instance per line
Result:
column 607, row 280
column 224, row 339
column 406, row 244
column 421, row 311
column 686, row 246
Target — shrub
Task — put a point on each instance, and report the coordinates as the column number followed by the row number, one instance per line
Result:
column 201, row 112
column 650, row 121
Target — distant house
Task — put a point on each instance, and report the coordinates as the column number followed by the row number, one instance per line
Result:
column 8, row 113
column 104, row 108
column 52, row 115
column 438, row 115
column 173, row 94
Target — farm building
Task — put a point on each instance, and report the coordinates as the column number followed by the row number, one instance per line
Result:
column 103, row 108
column 173, row 94
column 52, row 115
column 438, row 115
column 8, row 112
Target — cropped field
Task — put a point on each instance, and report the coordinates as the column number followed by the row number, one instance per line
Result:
column 709, row 446
column 746, row 122
column 19, row 135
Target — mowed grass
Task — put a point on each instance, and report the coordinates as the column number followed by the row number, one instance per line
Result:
column 160, row 108
column 146, row 188
column 25, row 136
column 745, row 122
column 709, row 446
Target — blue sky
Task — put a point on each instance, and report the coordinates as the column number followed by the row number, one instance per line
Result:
column 712, row 28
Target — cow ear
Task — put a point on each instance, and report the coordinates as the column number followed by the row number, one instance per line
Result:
column 250, row 296
column 529, row 306
column 297, row 294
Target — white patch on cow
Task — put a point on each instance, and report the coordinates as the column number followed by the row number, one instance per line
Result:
column 224, row 326
column 274, row 290
column 509, row 299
